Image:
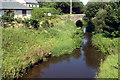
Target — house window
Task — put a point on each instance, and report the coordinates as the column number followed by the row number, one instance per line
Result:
column 9, row 12
column 24, row 12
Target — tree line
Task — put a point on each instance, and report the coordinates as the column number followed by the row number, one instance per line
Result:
column 103, row 17
column 64, row 7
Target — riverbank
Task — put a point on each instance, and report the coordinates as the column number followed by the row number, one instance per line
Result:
column 109, row 68
column 24, row 47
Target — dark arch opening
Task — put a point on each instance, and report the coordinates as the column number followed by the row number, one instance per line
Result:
column 79, row 23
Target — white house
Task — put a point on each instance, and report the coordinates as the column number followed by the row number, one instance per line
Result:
column 17, row 8
column 29, row 3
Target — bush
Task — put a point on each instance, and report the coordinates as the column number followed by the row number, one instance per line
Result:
column 37, row 14
column 31, row 23
column 50, row 10
column 8, row 18
column 34, row 23
column 19, row 20
column 44, row 24
column 106, row 45
column 27, row 23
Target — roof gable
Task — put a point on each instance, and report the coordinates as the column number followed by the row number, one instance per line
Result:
column 14, row 6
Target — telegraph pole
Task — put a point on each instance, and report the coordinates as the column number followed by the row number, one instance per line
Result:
column 70, row 6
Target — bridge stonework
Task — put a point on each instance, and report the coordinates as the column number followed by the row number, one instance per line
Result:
column 73, row 17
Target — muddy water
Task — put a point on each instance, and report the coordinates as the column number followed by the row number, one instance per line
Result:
column 82, row 63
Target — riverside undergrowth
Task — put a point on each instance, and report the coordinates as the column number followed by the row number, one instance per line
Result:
column 23, row 47
column 109, row 68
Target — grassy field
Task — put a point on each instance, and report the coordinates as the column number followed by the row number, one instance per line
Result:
column 23, row 47
column 109, row 68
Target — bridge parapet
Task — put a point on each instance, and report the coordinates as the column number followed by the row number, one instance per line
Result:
column 73, row 17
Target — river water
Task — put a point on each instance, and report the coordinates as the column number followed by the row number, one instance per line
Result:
column 81, row 63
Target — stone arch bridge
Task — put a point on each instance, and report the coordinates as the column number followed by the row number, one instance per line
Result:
column 73, row 17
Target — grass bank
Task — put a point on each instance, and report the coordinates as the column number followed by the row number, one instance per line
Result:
column 109, row 68
column 23, row 47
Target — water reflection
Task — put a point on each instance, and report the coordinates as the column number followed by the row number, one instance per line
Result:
column 93, row 57
column 82, row 63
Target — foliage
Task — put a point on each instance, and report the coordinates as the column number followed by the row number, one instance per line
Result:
column 64, row 7
column 31, row 23
column 19, row 20
column 77, row 7
column 112, row 28
column 47, row 4
column 50, row 10
column 92, row 8
column 110, row 67
column 104, row 17
column 106, row 45
column 45, row 24
column 37, row 14
column 99, row 20
column 8, row 18
column 23, row 47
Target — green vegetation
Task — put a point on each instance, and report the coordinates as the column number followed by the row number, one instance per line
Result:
column 103, row 18
column 46, row 10
column 109, row 68
column 64, row 7
column 106, row 45
column 103, row 21
column 24, row 47
column 50, row 10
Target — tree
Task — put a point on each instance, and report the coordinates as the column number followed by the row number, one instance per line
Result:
column 63, row 6
column 77, row 7
column 92, row 8
column 47, row 4
column 113, row 20
column 99, row 20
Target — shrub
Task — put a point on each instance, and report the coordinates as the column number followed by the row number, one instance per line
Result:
column 44, row 24
column 34, row 23
column 27, row 23
column 50, row 10
column 37, row 14
column 106, row 45
column 8, row 18
column 19, row 20
column 31, row 23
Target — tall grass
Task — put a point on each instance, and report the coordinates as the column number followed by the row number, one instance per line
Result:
column 23, row 47
column 109, row 68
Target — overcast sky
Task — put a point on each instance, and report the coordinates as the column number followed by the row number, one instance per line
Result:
column 84, row 1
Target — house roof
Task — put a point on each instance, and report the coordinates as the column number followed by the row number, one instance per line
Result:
column 30, row 1
column 13, row 6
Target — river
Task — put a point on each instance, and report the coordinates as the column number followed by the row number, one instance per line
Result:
column 81, row 63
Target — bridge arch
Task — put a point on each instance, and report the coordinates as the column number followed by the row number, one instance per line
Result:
column 79, row 23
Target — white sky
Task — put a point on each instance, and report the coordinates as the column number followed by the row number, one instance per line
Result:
column 84, row 1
